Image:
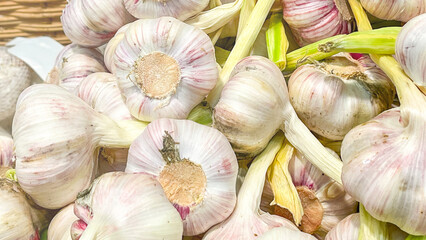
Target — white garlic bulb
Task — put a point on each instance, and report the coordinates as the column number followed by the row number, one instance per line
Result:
column 254, row 105
column 283, row 233
column 111, row 46
column 92, row 23
column 125, row 206
column 195, row 165
column 73, row 64
column 181, row 10
column 347, row 229
column 339, row 93
column 164, row 68
column 60, row 226
column 401, row 10
column 15, row 76
column 410, row 50
column 6, row 149
column 56, row 137
column 314, row 20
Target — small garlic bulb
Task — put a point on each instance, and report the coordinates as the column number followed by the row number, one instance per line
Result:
column 164, row 68
column 410, row 50
column 347, row 229
column 60, row 226
column 334, row 96
column 112, row 46
column 73, row 64
column 125, row 206
column 284, row 233
column 314, row 20
column 6, row 149
column 15, row 76
column 92, row 23
column 56, row 137
column 195, row 165
column 181, row 10
column 400, row 10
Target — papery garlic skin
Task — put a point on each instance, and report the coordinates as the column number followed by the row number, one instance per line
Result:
column 410, row 49
column 334, row 96
column 388, row 156
column 283, row 233
column 314, row 20
column 181, row 10
column 347, row 229
column 165, row 68
column 112, row 46
column 73, row 64
column 60, row 226
column 126, row 206
column 6, row 149
column 91, row 23
column 400, row 10
column 206, row 158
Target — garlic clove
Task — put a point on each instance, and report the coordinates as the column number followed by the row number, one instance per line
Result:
column 60, row 226
column 112, row 46
column 6, row 149
column 73, row 64
column 283, row 233
column 401, row 10
column 410, row 49
column 334, row 96
column 154, row 9
column 195, row 165
column 164, row 68
column 92, row 24
column 126, row 206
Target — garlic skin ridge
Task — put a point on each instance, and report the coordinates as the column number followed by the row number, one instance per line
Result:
column 164, row 68
column 400, row 10
column 206, row 177
column 334, row 96
column 125, row 206
column 6, row 149
column 410, row 50
column 60, row 226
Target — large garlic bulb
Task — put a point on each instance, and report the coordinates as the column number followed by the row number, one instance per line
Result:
column 73, row 64
column 60, row 226
column 56, row 136
column 284, row 233
column 314, row 20
column 410, row 50
column 254, row 105
column 401, row 10
column 164, row 68
column 181, row 9
column 125, row 206
column 334, row 96
column 15, row 76
column 6, row 149
column 195, row 165
column 92, row 23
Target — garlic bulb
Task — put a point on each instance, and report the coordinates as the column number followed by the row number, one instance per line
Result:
column 6, row 149
column 73, row 64
column 283, row 233
column 410, row 50
column 19, row 217
column 314, row 20
column 91, row 23
column 347, row 229
column 254, row 105
column 247, row 221
column 195, row 165
column 56, row 136
column 125, row 206
column 164, row 68
column 111, row 46
column 15, row 76
column 60, row 226
column 334, row 96
column 401, row 10
column 154, row 9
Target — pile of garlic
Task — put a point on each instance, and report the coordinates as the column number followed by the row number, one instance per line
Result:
column 189, row 120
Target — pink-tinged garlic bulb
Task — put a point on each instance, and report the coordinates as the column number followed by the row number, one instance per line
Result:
column 20, row 218
column 247, row 221
column 56, row 137
column 410, row 49
column 93, row 23
column 314, row 20
column 15, row 76
column 181, row 10
column 347, row 229
column 164, row 68
column 254, row 105
column 400, row 10
column 195, row 165
column 73, row 64
column 6, row 149
column 111, row 46
column 333, row 96
column 60, row 226
column 125, row 206
column 284, row 233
